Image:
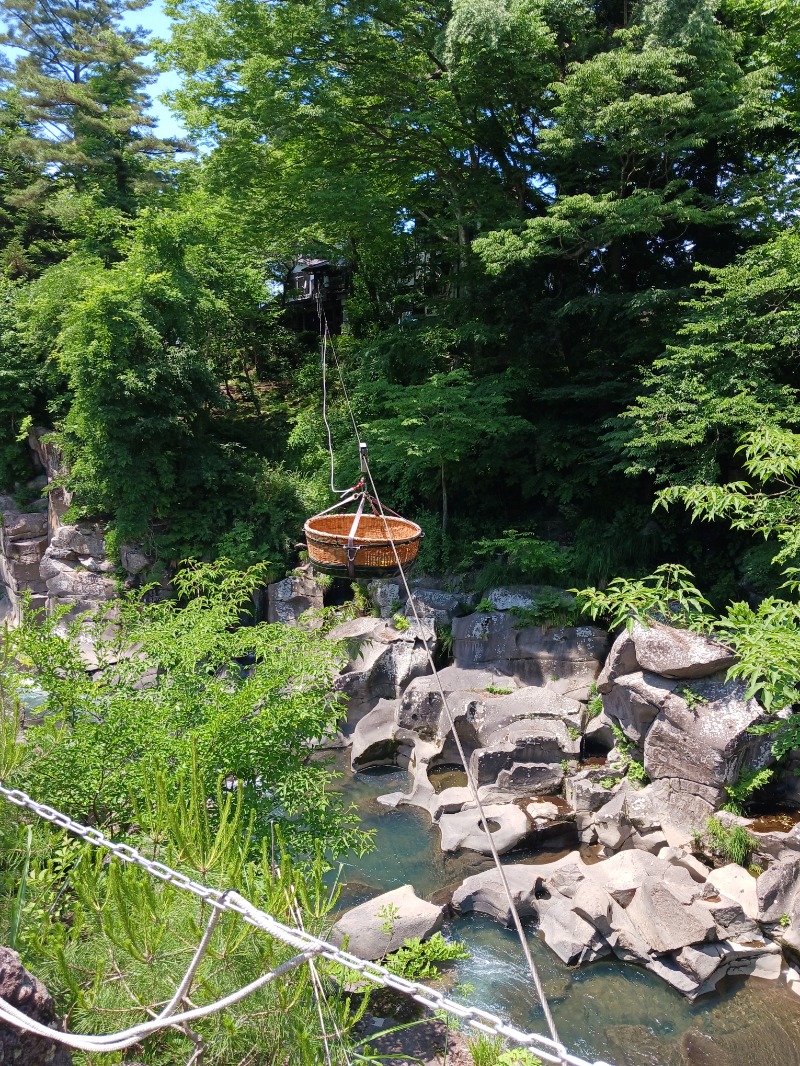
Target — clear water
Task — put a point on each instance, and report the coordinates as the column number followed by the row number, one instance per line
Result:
column 608, row 1011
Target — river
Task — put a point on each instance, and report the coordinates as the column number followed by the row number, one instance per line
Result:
column 609, row 1011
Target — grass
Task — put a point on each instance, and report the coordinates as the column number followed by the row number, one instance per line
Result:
column 733, row 843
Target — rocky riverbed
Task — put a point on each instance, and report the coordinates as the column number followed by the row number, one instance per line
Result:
column 554, row 721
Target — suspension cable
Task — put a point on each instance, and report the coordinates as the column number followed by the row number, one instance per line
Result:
column 307, row 945
column 451, row 721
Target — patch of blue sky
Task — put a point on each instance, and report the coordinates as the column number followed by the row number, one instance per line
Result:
column 158, row 24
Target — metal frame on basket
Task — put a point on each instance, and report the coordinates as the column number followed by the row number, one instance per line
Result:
column 347, row 543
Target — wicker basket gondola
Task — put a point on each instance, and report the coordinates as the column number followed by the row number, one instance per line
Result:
column 335, row 548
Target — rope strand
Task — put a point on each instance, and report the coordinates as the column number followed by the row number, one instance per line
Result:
column 537, row 983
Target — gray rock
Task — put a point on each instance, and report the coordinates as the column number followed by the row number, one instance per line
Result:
column 678, row 653
column 621, row 660
column 495, row 712
column 134, row 560
column 24, row 526
column 777, row 887
column 570, row 936
column 598, row 732
column 382, row 660
column 635, row 700
column 736, row 884
column 81, row 539
column 374, row 738
column 291, row 597
column 385, row 595
column 25, row 992
column 663, row 922
column 441, row 605
column 484, row 638
column 706, row 744
column 381, row 925
column 507, row 823
column 526, row 779
column 584, row 792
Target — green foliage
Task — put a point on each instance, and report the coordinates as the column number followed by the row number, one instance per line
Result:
column 771, row 456
column 485, row 1050
column 594, row 706
column 420, row 960
column 110, row 940
column 628, row 765
column 389, row 912
column 518, row 1057
column 785, row 920
column 636, row 772
column 666, row 595
column 550, row 608
column 691, row 698
column 609, row 782
column 766, row 640
column 521, row 557
column 18, row 381
column 498, row 690
column 484, row 606
column 740, row 792
column 732, row 843
column 400, row 622
column 728, row 376
column 185, row 694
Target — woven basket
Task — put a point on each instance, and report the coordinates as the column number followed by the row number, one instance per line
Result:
column 327, row 537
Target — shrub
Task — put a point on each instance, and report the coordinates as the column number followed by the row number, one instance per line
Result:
column 419, row 960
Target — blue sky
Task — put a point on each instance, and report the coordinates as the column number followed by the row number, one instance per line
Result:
column 154, row 20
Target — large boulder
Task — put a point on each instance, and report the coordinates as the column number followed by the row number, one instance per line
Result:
column 777, row 888
column 705, row 744
column 27, row 993
column 494, row 712
column 635, row 700
column 382, row 659
column 663, row 921
column 76, row 569
column 621, row 660
column 736, row 884
column 570, row 936
column 507, row 823
column 383, row 924
column 679, row 653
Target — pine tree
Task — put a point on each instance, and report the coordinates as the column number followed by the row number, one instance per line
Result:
column 79, row 83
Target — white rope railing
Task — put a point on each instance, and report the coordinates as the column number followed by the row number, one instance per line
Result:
column 307, row 946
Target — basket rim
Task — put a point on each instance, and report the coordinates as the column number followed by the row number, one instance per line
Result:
column 324, row 537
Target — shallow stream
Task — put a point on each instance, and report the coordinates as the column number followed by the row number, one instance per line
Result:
column 609, row 1011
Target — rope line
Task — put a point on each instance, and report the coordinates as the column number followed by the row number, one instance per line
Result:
column 307, row 945
column 537, row 983
column 326, row 337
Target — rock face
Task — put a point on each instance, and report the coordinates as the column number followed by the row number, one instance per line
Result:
column 291, row 597
column 59, row 565
column 382, row 924
column 666, row 690
column 532, row 654
column 25, row 992
column 23, row 541
column 75, row 568
column 639, row 907
column 383, row 659
column 679, row 653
